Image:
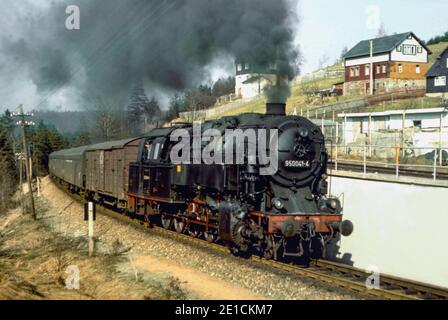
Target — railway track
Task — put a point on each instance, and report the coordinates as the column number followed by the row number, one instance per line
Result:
column 333, row 273
column 349, row 166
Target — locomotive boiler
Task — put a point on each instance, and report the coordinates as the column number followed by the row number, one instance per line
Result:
column 287, row 214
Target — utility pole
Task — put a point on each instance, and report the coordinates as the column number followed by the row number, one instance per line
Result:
column 21, row 115
column 371, row 67
column 19, row 157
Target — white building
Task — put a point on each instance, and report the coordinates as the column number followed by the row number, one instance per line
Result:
column 250, row 81
column 427, row 127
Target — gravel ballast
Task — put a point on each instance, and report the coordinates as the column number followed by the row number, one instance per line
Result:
column 66, row 217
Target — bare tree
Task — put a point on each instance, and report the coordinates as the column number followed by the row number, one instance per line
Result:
column 107, row 124
column 323, row 61
column 381, row 31
column 343, row 53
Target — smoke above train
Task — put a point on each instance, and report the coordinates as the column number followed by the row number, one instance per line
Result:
column 168, row 44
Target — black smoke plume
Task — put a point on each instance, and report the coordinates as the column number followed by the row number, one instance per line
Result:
column 168, row 44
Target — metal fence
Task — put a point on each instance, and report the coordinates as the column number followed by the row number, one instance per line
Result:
column 410, row 161
column 328, row 110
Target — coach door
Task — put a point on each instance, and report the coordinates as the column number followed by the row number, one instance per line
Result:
column 160, row 169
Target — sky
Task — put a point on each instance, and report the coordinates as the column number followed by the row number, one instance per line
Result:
column 327, row 25
column 325, row 28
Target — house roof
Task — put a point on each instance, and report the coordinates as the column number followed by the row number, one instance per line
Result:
column 255, row 79
column 438, row 68
column 381, row 45
column 74, row 153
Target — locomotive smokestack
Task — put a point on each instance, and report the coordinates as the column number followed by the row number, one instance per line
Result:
column 276, row 108
column 277, row 96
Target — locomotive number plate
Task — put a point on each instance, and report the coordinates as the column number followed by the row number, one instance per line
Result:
column 297, row 164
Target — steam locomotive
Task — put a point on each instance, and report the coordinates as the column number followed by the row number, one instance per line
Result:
column 285, row 215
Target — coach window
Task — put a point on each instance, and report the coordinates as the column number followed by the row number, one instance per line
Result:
column 147, row 150
column 157, row 150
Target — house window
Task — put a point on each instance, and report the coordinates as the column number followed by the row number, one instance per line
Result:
column 440, row 81
column 367, row 70
column 384, row 68
column 357, row 71
column 400, row 68
column 419, row 49
column 352, row 72
column 378, row 69
column 409, row 49
column 447, row 62
column 246, row 66
column 239, row 67
column 417, row 69
column 417, row 123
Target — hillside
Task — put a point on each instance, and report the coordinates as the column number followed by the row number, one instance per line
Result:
column 301, row 98
column 436, row 51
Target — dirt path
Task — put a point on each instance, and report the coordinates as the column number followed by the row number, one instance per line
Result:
column 203, row 285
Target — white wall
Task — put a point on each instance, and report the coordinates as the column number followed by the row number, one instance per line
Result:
column 239, row 79
column 366, row 60
column 419, row 57
column 251, row 90
column 429, row 120
column 401, row 229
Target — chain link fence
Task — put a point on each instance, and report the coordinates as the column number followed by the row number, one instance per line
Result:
column 394, row 159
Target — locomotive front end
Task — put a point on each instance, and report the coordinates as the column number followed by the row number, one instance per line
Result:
column 301, row 212
column 297, row 217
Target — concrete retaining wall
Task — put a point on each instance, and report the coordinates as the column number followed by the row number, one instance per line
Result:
column 401, row 229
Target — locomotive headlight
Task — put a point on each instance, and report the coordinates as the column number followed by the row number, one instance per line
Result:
column 277, row 203
column 333, row 204
column 303, row 132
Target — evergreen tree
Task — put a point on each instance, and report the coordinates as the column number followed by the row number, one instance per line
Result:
column 438, row 39
column 177, row 105
column 46, row 139
column 200, row 98
column 223, row 87
column 8, row 170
